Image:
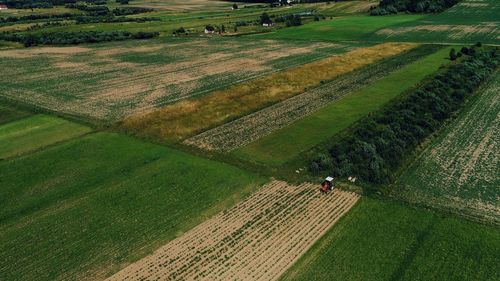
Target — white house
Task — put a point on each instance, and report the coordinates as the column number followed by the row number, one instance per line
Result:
column 3, row 7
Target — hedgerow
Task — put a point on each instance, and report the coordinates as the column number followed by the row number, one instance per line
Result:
column 378, row 145
column 73, row 38
column 411, row 6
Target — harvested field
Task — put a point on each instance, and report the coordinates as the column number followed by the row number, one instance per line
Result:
column 289, row 142
column 258, row 124
column 459, row 171
column 258, row 239
column 110, row 80
column 189, row 117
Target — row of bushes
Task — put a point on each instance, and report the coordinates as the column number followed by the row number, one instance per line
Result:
column 378, row 144
column 411, row 6
column 29, row 4
column 108, row 19
column 103, row 10
column 36, row 17
column 73, row 38
column 78, row 18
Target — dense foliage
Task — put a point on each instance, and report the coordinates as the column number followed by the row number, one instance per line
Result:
column 36, row 17
column 28, row 4
column 412, row 6
column 378, row 145
column 72, row 38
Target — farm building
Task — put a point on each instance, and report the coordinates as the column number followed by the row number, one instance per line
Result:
column 3, row 7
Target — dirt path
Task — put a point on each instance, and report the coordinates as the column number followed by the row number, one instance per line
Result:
column 249, row 128
column 258, row 239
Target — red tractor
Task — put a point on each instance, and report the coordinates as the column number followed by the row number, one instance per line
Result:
column 327, row 185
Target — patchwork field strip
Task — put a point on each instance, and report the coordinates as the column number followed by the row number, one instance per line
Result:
column 459, row 171
column 251, row 127
column 258, row 239
column 121, row 80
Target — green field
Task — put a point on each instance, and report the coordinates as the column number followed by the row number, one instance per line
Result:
column 357, row 27
column 380, row 240
column 35, row 132
column 468, row 22
column 459, row 170
column 88, row 206
column 287, row 143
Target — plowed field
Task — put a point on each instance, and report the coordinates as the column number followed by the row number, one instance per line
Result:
column 258, row 239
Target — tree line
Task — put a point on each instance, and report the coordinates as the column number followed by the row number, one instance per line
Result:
column 378, row 145
column 74, row 38
column 387, row 7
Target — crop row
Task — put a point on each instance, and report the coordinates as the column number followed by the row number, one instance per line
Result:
column 258, row 239
column 249, row 128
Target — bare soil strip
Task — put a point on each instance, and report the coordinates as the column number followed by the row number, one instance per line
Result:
column 249, row 128
column 258, row 239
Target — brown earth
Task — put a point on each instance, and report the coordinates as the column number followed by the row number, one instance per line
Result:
column 258, row 239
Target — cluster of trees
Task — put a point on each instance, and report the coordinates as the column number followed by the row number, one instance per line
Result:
column 378, row 145
column 36, row 17
column 289, row 20
column 411, row 6
column 108, row 19
column 97, row 10
column 73, row 38
column 30, row 4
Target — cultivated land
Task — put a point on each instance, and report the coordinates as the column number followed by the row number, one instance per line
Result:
column 459, row 170
column 109, row 81
column 249, row 128
column 467, row 22
column 35, row 132
column 278, row 147
column 258, row 239
column 189, row 117
column 379, row 240
column 9, row 113
column 83, row 209
column 77, row 205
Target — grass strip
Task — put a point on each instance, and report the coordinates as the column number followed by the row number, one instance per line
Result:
column 34, row 132
column 287, row 143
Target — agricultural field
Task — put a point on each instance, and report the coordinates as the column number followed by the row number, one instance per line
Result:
column 35, row 132
column 276, row 148
column 261, row 123
column 258, row 239
column 469, row 21
column 384, row 240
column 86, row 207
column 137, row 144
column 459, row 170
column 10, row 113
column 189, row 117
column 111, row 80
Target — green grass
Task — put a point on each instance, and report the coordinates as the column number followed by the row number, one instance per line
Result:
column 90, row 205
column 287, row 143
column 341, row 28
column 380, row 240
column 459, row 169
column 34, row 132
